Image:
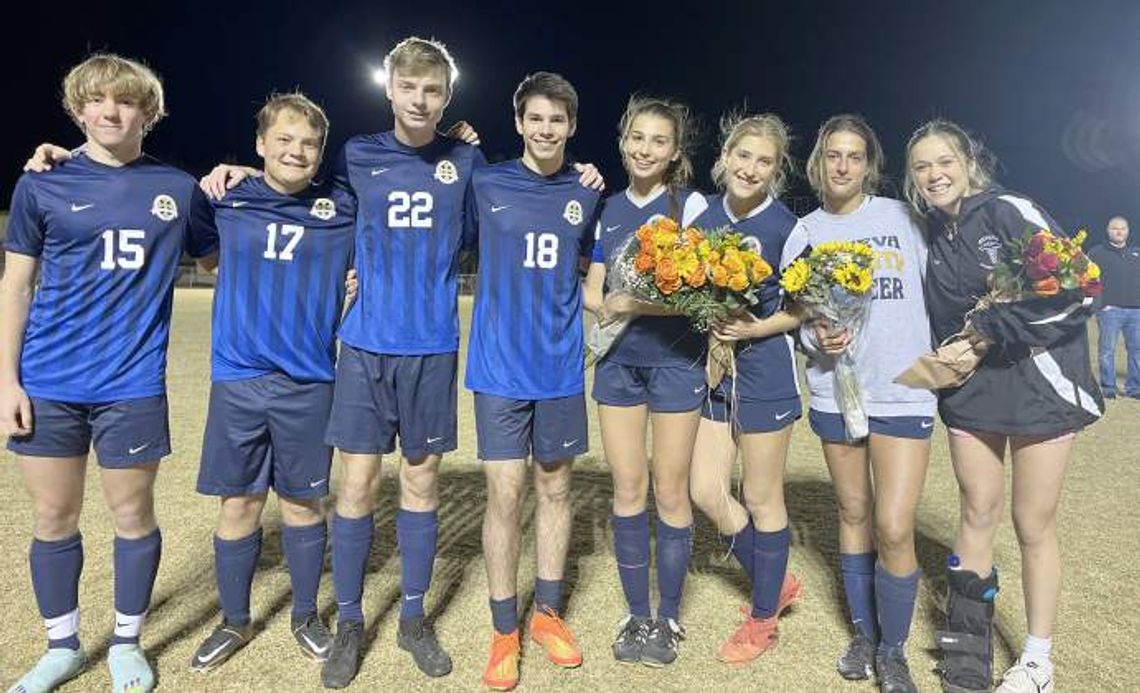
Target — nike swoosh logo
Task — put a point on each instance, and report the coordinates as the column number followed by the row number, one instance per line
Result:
column 239, row 204
column 927, row 424
column 210, row 655
column 413, row 597
column 121, row 625
column 133, row 451
column 498, row 208
column 432, row 441
column 312, row 645
column 781, row 417
column 937, row 262
column 567, row 444
column 378, row 171
column 314, row 484
column 612, row 228
column 80, row 208
column 698, row 390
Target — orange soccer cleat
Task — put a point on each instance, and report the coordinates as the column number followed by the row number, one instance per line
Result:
column 550, row 631
column 756, row 636
column 502, row 673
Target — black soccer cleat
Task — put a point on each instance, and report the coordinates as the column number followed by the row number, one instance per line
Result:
column 344, row 656
column 417, row 636
column 226, row 639
column 313, row 637
column 857, row 662
column 631, row 639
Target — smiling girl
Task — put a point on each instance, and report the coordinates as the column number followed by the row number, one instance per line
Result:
column 1033, row 391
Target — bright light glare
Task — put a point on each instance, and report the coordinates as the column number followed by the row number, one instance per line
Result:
column 380, row 76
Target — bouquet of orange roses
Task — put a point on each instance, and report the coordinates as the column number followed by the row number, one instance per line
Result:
column 1042, row 274
column 833, row 282
column 704, row 275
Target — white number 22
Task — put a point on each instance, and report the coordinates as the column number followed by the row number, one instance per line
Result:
column 409, row 211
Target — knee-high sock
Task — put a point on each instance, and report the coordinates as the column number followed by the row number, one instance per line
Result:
column 416, row 534
column 858, row 571
column 235, row 562
column 742, row 544
column 894, row 597
column 304, row 548
column 136, row 567
column 351, row 544
column 674, row 545
column 631, row 548
column 56, row 566
column 770, row 563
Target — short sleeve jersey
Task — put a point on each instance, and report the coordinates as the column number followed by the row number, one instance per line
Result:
column 526, row 332
column 649, row 340
column 410, row 226
column 765, row 367
column 280, row 281
column 109, row 239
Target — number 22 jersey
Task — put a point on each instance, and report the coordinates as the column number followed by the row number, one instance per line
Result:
column 410, row 226
column 526, row 332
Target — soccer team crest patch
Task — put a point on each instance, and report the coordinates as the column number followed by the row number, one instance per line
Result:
column 164, row 207
column 323, row 209
column 573, row 212
column 446, row 173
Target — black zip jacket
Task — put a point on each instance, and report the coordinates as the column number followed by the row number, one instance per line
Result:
column 1035, row 380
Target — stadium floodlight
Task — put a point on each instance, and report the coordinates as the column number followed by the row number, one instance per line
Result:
column 380, row 76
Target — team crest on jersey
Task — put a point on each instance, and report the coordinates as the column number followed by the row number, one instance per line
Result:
column 990, row 247
column 446, row 173
column 573, row 212
column 164, row 207
column 323, row 209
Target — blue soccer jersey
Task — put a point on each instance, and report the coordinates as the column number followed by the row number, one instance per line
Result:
column 109, row 240
column 649, row 340
column 765, row 367
column 410, row 227
column 280, row 281
column 526, row 332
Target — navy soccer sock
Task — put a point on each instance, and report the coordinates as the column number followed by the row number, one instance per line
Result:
column 416, row 534
column 742, row 544
column 548, row 595
column 858, row 571
column 505, row 615
column 770, row 563
column 351, row 544
column 631, row 548
column 235, row 562
column 894, row 596
column 304, row 548
column 136, row 567
column 56, row 566
column 674, row 545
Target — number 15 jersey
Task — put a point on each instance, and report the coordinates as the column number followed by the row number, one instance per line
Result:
column 526, row 332
column 410, row 226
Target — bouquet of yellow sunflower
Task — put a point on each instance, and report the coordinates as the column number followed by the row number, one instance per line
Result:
column 833, row 282
column 704, row 275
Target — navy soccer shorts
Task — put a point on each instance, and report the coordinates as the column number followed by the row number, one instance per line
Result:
column 831, row 429
column 513, row 429
column 264, row 433
column 666, row 389
column 752, row 415
column 381, row 396
column 125, row 434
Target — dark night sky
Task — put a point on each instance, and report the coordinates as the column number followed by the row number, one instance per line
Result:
column 1052, row 87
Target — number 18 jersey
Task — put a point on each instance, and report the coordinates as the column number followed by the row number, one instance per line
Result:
column 526, row 332
column 410, row 226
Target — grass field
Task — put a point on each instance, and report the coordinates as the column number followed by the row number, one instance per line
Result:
column 1095, row 639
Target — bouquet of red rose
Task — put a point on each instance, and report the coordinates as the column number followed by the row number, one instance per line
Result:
column 1041, row 267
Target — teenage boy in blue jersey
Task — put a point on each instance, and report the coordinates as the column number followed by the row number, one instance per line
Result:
column 83, row 356
column 536, row 229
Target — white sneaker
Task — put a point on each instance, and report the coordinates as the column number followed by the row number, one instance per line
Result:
column 1027, row 677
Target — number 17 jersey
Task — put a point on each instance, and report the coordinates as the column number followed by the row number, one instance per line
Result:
column 410, row 226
